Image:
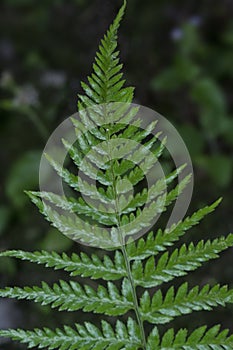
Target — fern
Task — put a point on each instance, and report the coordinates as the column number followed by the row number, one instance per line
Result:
column 145, row 263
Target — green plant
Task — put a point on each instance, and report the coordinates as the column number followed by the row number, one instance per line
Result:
column 134, row 264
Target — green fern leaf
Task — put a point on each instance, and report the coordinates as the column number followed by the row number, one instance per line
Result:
column 156, row 243
column 179, row 263
column 199, row 339
column 72, row 297
column 159, row 310
column 86, row 336
column 83, row 265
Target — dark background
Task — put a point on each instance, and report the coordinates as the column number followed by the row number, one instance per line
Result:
column 178, row 55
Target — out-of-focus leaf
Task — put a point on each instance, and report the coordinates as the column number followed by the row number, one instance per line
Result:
column 182, row 72
column 193, row 139
column 23, row 176
column 186, row 70
column 219, row 168
column 208, row 94
column 213, row 123
column 190, row 41
column 210, row 99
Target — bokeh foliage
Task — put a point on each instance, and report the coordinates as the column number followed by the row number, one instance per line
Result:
column 179, row 56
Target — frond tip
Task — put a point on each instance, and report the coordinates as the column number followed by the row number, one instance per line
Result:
column 105, row 85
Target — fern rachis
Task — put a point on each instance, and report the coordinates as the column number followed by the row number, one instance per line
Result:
column 145, row 263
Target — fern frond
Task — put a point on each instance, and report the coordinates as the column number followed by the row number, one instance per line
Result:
column 157, row 242
column 71, row 296
column 159, row 310
column 179, row 263
column 201, row 338
column 83, row 337
column 122, row 207
column 82, row 265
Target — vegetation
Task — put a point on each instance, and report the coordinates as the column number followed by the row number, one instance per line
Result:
column 139, row 267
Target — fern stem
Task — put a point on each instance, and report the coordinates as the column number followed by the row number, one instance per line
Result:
column 135, row 299
column 124, row 252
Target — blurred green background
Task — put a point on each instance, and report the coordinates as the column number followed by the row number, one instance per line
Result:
column 178, row 55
